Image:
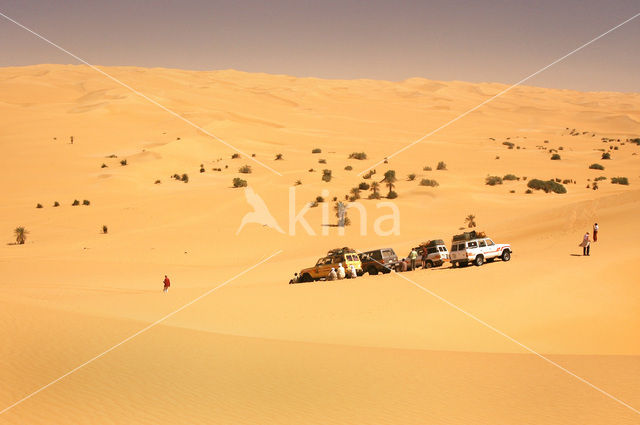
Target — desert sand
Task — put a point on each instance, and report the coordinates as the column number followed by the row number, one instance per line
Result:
column 375, row 350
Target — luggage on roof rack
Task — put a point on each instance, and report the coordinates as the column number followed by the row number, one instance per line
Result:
column 465, row 236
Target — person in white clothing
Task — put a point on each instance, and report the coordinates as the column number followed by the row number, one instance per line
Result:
column 341, row 272
column 353, row 272
column 586, row 244
column 332, row 275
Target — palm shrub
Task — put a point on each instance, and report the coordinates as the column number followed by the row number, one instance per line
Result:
column 441, row 166
column 470, row 220
column 364, row 186
column 21, row 235
column 606, row 155
column 375, row 190
column 389, row 180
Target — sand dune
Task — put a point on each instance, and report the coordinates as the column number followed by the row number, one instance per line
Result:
column 376, row 350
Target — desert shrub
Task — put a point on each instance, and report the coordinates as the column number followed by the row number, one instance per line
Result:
column 364, row 186
column 322, row 161
column 596, row 167
column 508, row 144
column 600, row 178
column 113, row 155
column 253, row 155
column 348, row 168
column 555, row 157
column 103, row 165
column 528, row 191
column 427, row 168
column 547, row 186
column 105, row 229
column 298, row 182
column 567, row 181
column 279, row 157
column 510, row 177
column 235, row 156
column 313, row 204
column 238, row 182
column 560, row 148
column 429, row 182
column 311, row 170
column 546, row 141
column 326, row 175
column 615, row 148
column 497, row 156
column 636, row 141
column 157, row 182
column 411, row 177
column 245, row 169
column 620, row 180
column 226, row 166
column 441, row 166
column 606, row 155
column 386, row 160
column 86, row 202
column 56, row 204
column 369, row 174
column 176, row 176
column 123, row 162
column 184, row 178
column 201, row 169
column 392, row 195
column 493, row 180
column 39, row 206
column 75, row 203
column 374, row 195
column 355, row 194
column 319, row 199
column 358, row 155
column 512, row 191
column 316, row 150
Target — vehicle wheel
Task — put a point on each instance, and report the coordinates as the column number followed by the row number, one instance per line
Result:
column 306, row 278
column 373, row 271
column 506, row 255
column 386, row 271
column 359, row 273
column 479, row 260
column 428, row 265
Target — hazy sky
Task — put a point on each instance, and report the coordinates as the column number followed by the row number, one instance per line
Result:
column 493, row 40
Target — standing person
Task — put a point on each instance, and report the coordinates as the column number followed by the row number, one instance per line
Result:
column 341, row 271
column 413, row 256
column 595, row 232
column 586, row 244
column 424, row 257
column 167, row 283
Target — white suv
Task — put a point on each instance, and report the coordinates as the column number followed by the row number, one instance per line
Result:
column 477, row 251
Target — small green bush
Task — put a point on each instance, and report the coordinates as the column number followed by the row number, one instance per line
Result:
column 86, row 202
column 392, row 195
column 620, row 180
column 600, row 178
column 493, row 180
column 316, row 150
column 364, row 186
column 279, row 157
column 358, row 155
column 510, row 177
column 528, row 191
column 56, row 204
column 606, row 155
column 322, row 161
column 157, row 182
column 411, row 177
column 238, row 182
column 547, row 186
column 348, row 168
column 105, row 229
column 235, row 156
column 555, row 157
column 123, row 162
column 596, row 167
column 427, row 168
column 245, row 169
column 75, row 203
column 429, row 182
column 103, row 165
column 509, row 144
column 39, row 206
column 319, row 199
column 326, row 175
column 298, row 182
column 441, row 166
column 184, row 178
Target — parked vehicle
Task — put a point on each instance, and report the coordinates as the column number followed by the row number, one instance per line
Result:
column 436, row 253
column 379, row 261
column 323, row 267
column 475, row 247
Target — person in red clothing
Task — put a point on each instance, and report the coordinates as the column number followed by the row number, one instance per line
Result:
column 167, row 283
